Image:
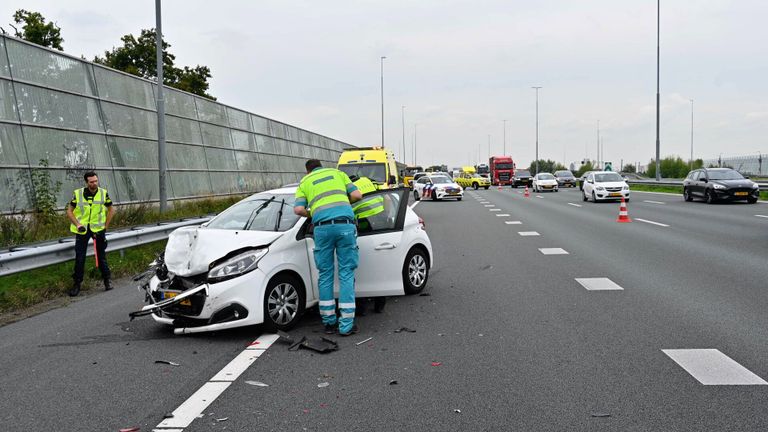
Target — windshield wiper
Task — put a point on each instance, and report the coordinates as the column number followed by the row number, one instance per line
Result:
column 279, row 215
column 255, row 213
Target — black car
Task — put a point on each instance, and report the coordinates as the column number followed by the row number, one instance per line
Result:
column 565, row 178
column 522, row 178
column 719, row 184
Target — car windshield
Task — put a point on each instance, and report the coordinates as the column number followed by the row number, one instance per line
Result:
column 477, row 176
column 411, row 171
column 440, row 180
column 608, row 177
column 521, row 173
column 504, row 166
column 376, row 172
column 262, row 212
column 563, row 174
column 546, row 177
column 725, row 175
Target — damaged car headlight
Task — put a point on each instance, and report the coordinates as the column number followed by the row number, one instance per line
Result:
column 237, row 265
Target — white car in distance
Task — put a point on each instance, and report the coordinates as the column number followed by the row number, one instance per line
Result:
column 437, row 187
column 544, row 181
column 253, row 264
column 605, row 185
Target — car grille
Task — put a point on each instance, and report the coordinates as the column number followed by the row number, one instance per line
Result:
column 613, row 189
column 451, row 190
column 504, row 177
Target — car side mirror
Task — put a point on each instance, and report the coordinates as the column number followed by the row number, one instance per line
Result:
column 590, row 181
column 703, row 179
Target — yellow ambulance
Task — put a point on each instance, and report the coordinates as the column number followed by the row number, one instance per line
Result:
column 376, row 163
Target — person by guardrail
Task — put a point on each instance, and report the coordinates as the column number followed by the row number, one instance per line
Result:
column 90, row 213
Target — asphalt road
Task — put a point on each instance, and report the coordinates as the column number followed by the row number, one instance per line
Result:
column 506, row 340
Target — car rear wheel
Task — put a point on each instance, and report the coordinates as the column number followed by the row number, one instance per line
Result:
column 709, row 197
column 486, row 187
column 284, row 302
column 687, row 195
column 475, row 185
column 415, row 271
column 434, row 196
column 416, row 195
column 458, row 199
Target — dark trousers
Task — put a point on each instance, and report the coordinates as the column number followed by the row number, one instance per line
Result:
column 81, row 246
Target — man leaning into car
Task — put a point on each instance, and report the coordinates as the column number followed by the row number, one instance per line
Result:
column 325, row 194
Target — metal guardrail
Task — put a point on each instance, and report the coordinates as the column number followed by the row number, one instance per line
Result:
column 28, row 257
column 763, row 186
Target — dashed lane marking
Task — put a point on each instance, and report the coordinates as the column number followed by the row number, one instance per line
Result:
column 188, row 411
column 494, row 209
column 712, row 367
column 553, row 251
column 762, row 216
column 599, row 284
column 513, row 222
column 654, row 202
column 528, row 233
column 488, row 205
column 503, row 215
column 415, row 204
column 651, row 222
column 574, row 204
column 539, row 196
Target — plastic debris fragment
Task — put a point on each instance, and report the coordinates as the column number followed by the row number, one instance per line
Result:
column 437, row 363
column 223, row 419
column 405, row 330
column 364, row 341
column 323, row 384
column 425, row 294
column 167, row 362
column 257, row 383
column 130, row 429
column 600, row 415
column 393, row 382
column 457, row 411
column 168, row 415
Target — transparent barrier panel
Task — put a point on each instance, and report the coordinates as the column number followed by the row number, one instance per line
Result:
column 130, row 121
column 139, row 185
column 190, row 183
column 114, row 86
column 133, row 153
column 182, row 130
column 182, row 156
column 11, row 145
column 69, row 149
column 220, row 159
column 52, row 108
column 32, row 64
column 211, row 112
column 216, row 136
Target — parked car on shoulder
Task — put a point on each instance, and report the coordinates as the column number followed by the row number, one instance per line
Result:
column 565, row 178
column 252, row 264
column 544, row 182
column 605, row 185
column 719, row 184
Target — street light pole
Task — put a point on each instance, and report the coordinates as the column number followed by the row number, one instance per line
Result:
column 382, row 101
column 414, row 143
column 505, row 137
column 658, row 50
column 402, row 111
column 598, row 146
column 489, row 147
column 161, row 158
column 537, row 127
column 691, row 134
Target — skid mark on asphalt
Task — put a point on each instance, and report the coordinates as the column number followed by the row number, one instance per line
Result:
column 599, row 284
column 188, row 411
column 528, row 233
column 652, row 222
column 712, row 367
column 553, row 251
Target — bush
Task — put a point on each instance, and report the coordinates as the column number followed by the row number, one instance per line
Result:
column 673, row 167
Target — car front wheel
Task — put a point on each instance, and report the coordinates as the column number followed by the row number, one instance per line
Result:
column 584, row 196
column 284, row 302
column 475, row 185
column 687, row 195
column 594, row 197
column 415, row 271
column 416, row 195
column 751, row 200
column 709, row 197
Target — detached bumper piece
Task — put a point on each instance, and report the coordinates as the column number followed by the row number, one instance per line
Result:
column 168, row 303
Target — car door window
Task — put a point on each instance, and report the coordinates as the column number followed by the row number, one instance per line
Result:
column 391, row 218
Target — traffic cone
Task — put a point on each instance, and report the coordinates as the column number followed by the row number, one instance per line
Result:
column 527, row 194
column 623, row 215
column 499, row 186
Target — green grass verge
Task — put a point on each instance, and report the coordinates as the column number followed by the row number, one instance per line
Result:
column 675, row 189
column 28, row 288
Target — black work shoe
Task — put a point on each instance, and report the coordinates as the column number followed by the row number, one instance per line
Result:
column 329, row 329
column 75, row 290
column 107, row 285
column 351, row 332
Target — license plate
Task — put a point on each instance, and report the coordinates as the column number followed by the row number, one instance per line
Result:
column 614, row 194
column 171, row 294
column 741, row 193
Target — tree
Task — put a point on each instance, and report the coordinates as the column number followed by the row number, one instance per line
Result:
column 584, row 168
column 629, row 168
column 34, row 29
column 139, row 56
column 548, row 165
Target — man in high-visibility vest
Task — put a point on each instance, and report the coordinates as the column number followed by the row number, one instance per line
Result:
column 367, row 207
column 90, row 213
column 325, row 194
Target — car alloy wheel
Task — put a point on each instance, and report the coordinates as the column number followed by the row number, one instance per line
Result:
column 584, row 196
column 709, row 197
column 283, row 303
column 475, row 185
column 687, row 195
column 415, row 271
column 594, row 197
column 416, row 195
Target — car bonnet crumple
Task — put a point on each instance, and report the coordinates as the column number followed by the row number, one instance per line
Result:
column 190, row 250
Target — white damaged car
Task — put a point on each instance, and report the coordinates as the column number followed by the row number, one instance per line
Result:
column 253, row 264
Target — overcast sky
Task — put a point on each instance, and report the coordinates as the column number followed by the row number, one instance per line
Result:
column 462, row 67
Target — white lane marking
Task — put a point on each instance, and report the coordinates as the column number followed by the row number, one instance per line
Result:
column 598, row 284
column 539, row 196
column 415, row 204
column 651, row 222
column 654, row 202
column 503, row 215
column 574, row 204
column 488, row 205
column 167, row 430
column 494, row 209
column 528, row 233
column 513, row 222
column 712, row 367
column 762, row 216
column 553, row 251
column 188, row 411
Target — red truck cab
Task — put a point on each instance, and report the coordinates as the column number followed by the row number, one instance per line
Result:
column 502, row 170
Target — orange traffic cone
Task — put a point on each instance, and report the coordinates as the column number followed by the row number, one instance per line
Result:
column 527, row 193
column 499, row 186
column 623, row 215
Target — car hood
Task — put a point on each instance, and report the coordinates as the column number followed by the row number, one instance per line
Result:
column 611, row 184
column 190, row 250
column 546, row 181
column 740, row 183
